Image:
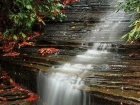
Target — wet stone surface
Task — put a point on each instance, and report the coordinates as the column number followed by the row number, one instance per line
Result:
column 114, row 76
column 13, row 94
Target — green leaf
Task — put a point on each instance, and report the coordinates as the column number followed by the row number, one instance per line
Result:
column 28, row 6
column 32, row 19
column 60, row 5
column 22, row 14
column 53, row 18
column 124, row 36
column 6, row 33
column 15, row 37
column 23, row 34
column 43, row 23
column 138, row 9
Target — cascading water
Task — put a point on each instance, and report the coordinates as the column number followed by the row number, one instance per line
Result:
column 63, row 86
column 58, row 89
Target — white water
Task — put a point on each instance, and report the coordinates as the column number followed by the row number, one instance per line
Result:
column 59, row 89
column 74, row 67
column 96, row 53
column 110, row 29
column 62, row 89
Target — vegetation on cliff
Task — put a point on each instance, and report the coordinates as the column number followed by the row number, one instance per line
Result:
column 133, row 8
column 19, row 17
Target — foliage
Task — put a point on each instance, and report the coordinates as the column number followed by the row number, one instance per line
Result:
column 132, row 7
column 65, row 2
column 18, row 16
column 44, row 51
column 134, row 34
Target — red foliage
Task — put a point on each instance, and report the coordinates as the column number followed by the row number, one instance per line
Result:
column 12, row 54
column 9, row 43
column 3, row 99
column 65, row 2
column 8, row 46
column 17, row 88
column 32, row 35
column 25, row 44
column 32, row 98
column 44, row 51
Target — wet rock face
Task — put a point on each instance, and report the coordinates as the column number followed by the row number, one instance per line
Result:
column 21, row 74
column 12, row 94
column 5, row 81
column 89, row 20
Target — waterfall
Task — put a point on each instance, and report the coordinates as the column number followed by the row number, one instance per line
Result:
column 98, row 51
column 63, row 86
column 111, row 28
column 59, row 89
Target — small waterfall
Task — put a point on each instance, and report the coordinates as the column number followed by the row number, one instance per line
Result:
column 74, row 67
column 59, row 89
column 95, row 52
column 111, row 28
column 63, row 88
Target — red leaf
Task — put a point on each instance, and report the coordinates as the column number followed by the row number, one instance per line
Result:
column 44, row 51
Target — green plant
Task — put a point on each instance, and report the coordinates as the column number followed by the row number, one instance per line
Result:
column 22, row 20
column 18, row 16
column 132, row 7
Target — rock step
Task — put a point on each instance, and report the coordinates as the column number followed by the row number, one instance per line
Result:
column 21, row 74
column 78, row 16
column 52, row 41
column 111, row 99
column 83, row 26
column 10, row 96
column 19, row 102
column 102, row 77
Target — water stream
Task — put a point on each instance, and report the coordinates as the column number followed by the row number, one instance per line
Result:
column 63, row 87
column 59, row 89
